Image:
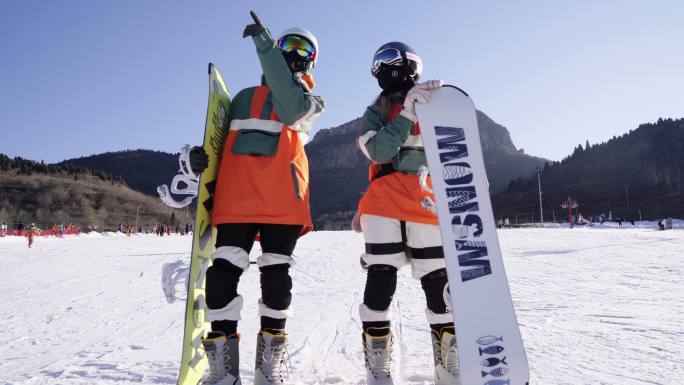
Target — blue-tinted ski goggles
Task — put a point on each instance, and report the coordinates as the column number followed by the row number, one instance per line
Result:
column 301, row 47
column 393, row 57
column 388, row 56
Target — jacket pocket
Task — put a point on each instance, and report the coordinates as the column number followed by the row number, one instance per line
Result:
column 295, row 181
column 256, row 142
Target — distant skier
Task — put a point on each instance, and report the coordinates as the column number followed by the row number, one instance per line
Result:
column 507, row 223
column 262, row 188
column 499, row 224
column 32, row 233
column 3, row 229
column 661, row 225
column 397, row 229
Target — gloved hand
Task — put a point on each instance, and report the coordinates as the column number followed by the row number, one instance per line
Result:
column 199, row 160
column 253, row 29
column 431, row 84
column 419, row 93
column 356, row 222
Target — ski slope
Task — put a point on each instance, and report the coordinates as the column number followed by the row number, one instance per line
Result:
column 595, row 306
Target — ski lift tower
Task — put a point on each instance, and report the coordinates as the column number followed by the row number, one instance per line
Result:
column 569, row 204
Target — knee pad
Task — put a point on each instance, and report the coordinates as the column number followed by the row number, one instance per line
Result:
column 276, row 285
column 222, row 282
column 381, row 284
column 434, row 285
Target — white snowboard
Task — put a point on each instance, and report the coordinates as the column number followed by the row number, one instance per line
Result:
column 490, row 348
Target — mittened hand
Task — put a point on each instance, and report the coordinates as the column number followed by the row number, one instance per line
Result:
column 199, row 160
column 356, row 223
column 415, row 94
column 430, row 84
column 253, row 29
column 420, row 93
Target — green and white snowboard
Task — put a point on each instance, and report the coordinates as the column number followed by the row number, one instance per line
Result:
column 193, row 363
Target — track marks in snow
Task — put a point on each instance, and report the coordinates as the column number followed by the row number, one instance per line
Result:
column 78, row 308
column 95, row 372
column 595, row 311
column 595, row 307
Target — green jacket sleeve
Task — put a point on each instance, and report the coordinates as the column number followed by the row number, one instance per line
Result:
column 381, row 143
column 291, row 102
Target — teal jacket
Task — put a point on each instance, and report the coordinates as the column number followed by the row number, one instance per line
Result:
column 397, row 141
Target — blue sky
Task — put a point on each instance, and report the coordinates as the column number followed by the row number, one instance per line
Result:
column 84, row 77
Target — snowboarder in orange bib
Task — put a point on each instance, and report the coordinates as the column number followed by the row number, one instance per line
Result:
column 262, row 188
column 397, row 229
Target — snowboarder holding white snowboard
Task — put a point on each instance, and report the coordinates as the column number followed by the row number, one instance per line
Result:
column 397, row 229
column 262, row 189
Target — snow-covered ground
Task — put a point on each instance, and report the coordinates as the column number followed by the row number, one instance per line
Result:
column 594, row 306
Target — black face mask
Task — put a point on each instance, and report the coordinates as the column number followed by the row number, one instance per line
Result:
column 296, row 62
column 392, row 79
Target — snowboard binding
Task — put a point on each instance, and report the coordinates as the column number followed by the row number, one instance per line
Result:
column 175, row 277
column 185, row 183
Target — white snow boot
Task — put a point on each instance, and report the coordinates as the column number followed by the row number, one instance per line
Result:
column 271, row 353
column 224, row 359
column 446, row 357
column 377, row 348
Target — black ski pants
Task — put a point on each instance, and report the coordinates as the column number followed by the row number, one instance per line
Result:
column 233, row 245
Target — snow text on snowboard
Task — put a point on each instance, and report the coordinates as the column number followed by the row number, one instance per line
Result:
column 489, row 344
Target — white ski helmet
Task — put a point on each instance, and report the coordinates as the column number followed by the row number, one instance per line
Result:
column 303, row 34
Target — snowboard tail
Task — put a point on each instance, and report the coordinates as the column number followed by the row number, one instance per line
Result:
column 193, row 363
column 484, row 317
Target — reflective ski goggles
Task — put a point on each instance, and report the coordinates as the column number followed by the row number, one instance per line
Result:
column 388, row 56
column 392, row 57
column 301, row 47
